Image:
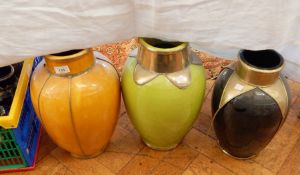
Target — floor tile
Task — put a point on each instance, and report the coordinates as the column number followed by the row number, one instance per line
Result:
column 62, row 170
column 140, row 165
column 46, row 145
column 80, row 166
column 292, row 164
column 204, row 124
column 114, row 161
column 181, row 157
column 165, row 168
column 203, row 165
column 274, row 155
column 146, row 151
column 46, row 166
column 206, row 107
column 209, row 147
column 130, row 144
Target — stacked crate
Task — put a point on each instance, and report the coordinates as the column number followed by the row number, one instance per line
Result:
column 20, row 129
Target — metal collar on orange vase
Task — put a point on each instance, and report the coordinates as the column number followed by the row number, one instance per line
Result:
column 70, row 62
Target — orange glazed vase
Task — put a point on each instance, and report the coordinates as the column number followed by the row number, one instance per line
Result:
column 77, row 99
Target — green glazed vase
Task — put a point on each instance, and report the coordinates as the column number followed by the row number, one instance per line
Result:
column 163, row 90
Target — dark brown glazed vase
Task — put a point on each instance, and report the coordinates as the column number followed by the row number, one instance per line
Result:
column 250, row 102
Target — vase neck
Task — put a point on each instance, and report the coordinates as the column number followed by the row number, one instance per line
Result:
column 260, row 68
column 70, row 62
column 161, row 56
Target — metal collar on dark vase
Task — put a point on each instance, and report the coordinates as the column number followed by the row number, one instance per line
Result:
column 260, row 68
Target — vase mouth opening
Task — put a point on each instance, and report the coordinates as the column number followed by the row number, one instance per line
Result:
column 75, row 53
column 262, row 59
column 67, row 53
column 157, row 45
column 6, row 72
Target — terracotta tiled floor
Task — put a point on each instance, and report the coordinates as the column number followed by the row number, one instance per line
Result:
column 197, row 154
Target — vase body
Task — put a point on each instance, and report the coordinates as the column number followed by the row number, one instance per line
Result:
column 77, row 99
column 250, row 103
column 163, row 92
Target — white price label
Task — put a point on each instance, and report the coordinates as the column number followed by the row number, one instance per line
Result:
column 61, row 69
column 238, row 87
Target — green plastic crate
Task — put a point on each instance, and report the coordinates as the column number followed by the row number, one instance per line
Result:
column 10, row 153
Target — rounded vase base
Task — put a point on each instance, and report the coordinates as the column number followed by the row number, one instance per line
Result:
column 240, row 158
column 230, row 155
column 86, row 156
column 160, row 148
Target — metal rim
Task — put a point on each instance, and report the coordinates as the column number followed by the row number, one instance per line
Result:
column 57, row 57
column 178, row 46
column 246, row 62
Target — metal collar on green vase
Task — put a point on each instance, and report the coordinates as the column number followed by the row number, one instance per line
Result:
column 170, row 59
column 162, row 56
column 180, row 79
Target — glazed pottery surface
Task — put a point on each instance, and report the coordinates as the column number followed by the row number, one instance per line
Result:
column 78, row 103
column 250, row 102
column 161, row 111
